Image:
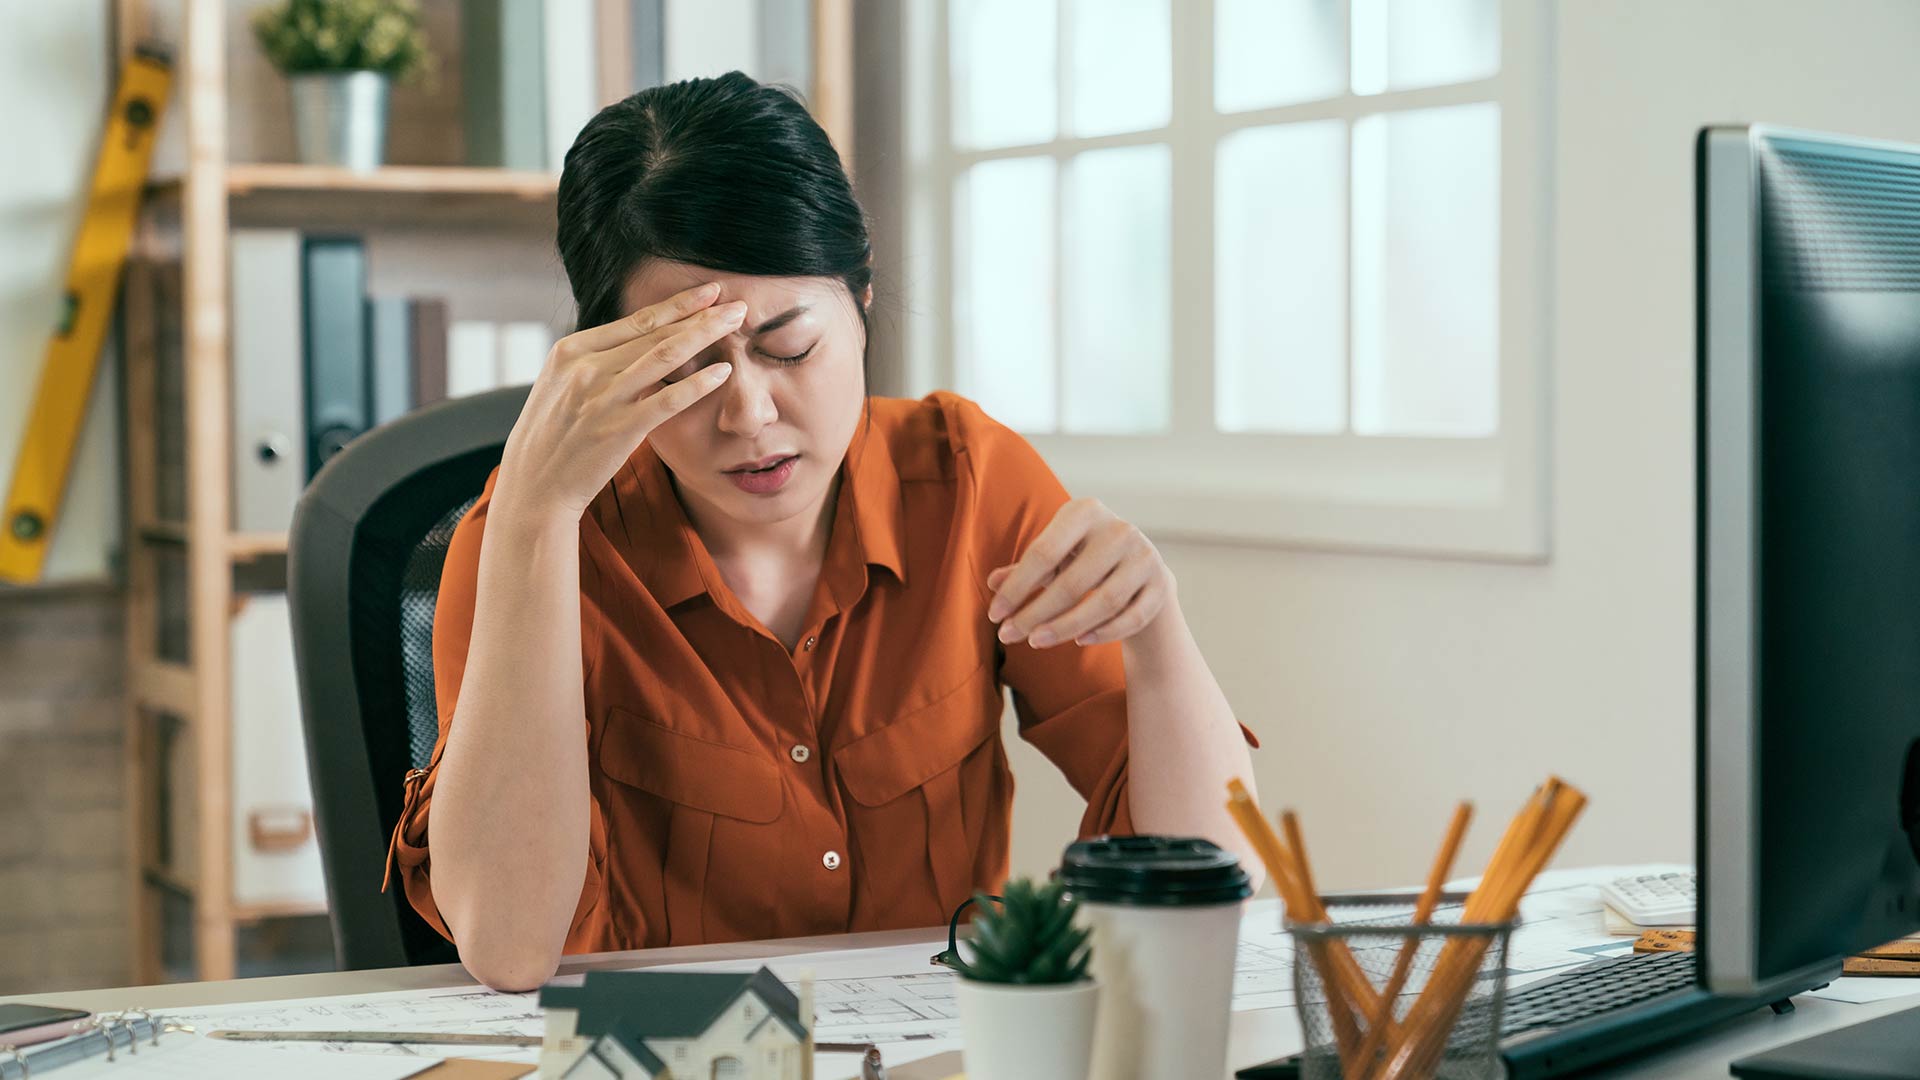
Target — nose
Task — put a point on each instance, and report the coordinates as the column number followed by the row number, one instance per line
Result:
column 746, row 401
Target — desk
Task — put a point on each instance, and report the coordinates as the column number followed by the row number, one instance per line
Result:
column 1256, row 1036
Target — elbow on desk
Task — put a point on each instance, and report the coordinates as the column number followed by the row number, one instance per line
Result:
column 510, row 957
column 512, row 969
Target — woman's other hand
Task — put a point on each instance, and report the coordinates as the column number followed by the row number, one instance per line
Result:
column 1088, row 578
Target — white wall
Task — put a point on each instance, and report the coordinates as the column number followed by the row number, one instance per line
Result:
column 55, row 77
column 1385, row 688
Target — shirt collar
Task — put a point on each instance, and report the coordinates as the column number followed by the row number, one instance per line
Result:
column 674, row 564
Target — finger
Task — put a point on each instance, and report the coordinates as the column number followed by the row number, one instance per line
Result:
column 1100, row 554
column 1047, row 552
column 675, row 399
column 646, row 320
column 660, row 360
column 994, row 579
column 1145, row 607
column 1096, row 606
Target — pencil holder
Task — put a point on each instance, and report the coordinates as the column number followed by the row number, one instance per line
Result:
column 1446, row 982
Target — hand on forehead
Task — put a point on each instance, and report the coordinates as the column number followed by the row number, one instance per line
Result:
column 765, row 297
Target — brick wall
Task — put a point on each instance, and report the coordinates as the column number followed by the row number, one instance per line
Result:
column 64, row 907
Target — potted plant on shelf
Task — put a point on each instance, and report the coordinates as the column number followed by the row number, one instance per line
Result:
column 340, row 58
column 1026, row 1002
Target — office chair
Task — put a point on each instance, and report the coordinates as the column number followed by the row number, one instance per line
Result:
column 363, row 572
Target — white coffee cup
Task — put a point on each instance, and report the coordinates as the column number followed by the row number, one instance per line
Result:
column 1165, row 919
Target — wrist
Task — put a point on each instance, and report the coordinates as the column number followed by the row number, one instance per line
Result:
column 527, row 519
column 1160, row 639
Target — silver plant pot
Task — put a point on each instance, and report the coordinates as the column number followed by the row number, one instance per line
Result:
column 340, row 118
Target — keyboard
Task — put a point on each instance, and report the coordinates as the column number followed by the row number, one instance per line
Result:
column 1592, row 989
column 1652, row 899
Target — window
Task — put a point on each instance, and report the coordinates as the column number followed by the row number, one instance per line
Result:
column 1255, row 269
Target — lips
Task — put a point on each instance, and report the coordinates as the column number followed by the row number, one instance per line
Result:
column 771, row 475
column 765, row 464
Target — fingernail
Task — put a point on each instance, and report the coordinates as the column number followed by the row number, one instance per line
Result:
column 1083, row 641
column 1009, row 634
column 1042, row 638
column 711, row 288
column 998, row 611
column 734, row 312
column 719, row 372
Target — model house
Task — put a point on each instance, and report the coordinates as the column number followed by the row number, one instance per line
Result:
column 642, row 1025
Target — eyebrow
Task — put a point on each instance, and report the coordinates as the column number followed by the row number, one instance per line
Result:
column 781, row 319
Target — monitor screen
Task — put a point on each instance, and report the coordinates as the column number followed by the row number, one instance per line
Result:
column 1809, row 575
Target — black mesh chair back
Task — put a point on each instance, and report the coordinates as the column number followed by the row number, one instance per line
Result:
column 363, row 573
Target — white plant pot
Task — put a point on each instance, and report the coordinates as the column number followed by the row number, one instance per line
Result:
column 1013, row 1032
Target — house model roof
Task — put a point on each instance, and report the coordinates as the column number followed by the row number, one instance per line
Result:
column 668, row 1004
column 640, row 1051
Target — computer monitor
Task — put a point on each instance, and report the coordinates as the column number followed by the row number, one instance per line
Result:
column 1808, row 600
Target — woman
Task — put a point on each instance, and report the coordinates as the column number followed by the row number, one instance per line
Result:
column 784, row 611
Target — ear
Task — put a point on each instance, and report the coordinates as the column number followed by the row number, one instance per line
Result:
column 866, row 296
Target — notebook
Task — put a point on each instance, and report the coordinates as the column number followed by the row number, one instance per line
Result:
column 150, row 1047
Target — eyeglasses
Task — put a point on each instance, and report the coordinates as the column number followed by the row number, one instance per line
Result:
column 950, row 956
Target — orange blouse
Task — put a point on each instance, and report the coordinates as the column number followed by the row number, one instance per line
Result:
column 857, row 782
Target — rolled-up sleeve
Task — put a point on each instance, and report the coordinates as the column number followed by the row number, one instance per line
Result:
column 408, row 856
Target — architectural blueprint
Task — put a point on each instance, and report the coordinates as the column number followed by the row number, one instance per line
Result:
column 895, row 998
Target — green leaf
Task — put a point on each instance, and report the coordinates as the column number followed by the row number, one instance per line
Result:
column 1031, row 938
column 304, row 36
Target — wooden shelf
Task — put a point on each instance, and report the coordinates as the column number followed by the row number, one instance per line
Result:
column 168, row 881
column 242, row 547
column 317, row 196
column 279, row 909
column 163, row 532
column 162, row 686
column 393, row 179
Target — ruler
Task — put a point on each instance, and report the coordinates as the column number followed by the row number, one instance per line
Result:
column 73, row 355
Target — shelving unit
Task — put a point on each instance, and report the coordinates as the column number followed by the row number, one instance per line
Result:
column 186, row 567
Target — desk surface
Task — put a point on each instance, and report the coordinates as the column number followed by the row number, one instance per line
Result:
column 1256, row 1036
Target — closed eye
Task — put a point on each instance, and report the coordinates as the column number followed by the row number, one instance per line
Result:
column 794, row 359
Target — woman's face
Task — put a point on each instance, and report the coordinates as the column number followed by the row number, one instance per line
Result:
column 768, row 443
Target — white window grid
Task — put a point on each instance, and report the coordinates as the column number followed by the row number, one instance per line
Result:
column 1473, row 497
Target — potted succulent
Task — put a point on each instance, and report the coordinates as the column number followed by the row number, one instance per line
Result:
column 1026, row 1002
column 340, row 58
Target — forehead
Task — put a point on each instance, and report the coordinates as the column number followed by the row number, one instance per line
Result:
column 658, row 279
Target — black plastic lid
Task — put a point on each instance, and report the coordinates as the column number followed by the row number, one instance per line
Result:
column 1153, row 871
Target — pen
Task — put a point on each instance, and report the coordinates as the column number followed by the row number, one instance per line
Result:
column 445, row 1038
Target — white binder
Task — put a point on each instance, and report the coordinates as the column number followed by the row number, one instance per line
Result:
column 276, row 858
column 269, row 410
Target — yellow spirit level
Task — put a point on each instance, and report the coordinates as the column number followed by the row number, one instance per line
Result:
column 73, row 356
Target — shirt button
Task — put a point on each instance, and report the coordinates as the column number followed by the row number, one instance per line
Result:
column 799, row 753
column 809, row 643
column 831, row 860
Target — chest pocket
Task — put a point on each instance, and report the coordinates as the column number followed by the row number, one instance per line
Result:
column 907, row 779
column 699, row 781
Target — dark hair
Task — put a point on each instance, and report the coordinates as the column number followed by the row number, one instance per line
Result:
column 723, row 173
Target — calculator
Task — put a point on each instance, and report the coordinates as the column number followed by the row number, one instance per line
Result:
column 1652, row 899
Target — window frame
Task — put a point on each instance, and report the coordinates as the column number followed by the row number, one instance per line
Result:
column 1461, row 497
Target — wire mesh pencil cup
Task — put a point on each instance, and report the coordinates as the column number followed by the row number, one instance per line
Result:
column 1340, row 1046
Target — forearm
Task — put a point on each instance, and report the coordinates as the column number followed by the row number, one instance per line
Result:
column 509, row 827
column 1183, row 741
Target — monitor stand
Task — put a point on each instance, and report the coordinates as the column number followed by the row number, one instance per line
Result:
column 1884, row 1049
